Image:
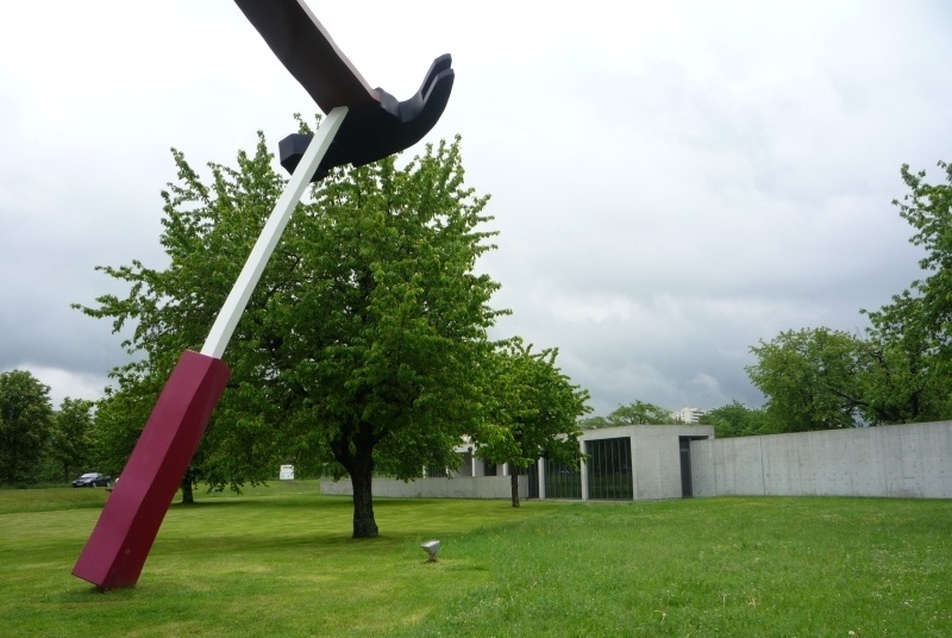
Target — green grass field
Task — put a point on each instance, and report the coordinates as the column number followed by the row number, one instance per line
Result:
column 278, row 561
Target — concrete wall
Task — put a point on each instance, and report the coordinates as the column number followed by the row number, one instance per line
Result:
column 657, row 459
column 461, row 487
column 913, row 460
column 899, row 460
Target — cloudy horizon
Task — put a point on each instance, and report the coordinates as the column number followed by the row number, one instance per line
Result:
column 672, row 182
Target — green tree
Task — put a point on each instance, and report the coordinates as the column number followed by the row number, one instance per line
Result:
column 364, row 341
column 389, row 344
column 70, row 447
column 635, row 413
column 734, row 419
column 911, row 337
column 26, row 419
column 906, row 381
column 535, row 413
column 118, row 421
column 593, row 423
column 208, row 232
column 811, row 378
column 639, row 413
column 928, row 208
column 900, row 370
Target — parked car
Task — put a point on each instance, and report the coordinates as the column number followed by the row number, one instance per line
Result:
column 93, row 479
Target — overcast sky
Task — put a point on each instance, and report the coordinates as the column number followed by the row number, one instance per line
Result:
column 672, row 181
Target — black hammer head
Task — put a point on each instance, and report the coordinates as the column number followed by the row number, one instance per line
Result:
column 377, row 125
column 373, row 133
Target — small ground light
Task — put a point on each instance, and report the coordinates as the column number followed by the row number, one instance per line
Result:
column 431, row 548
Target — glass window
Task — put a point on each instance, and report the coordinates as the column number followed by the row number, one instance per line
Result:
column 609, row 469
column 562, row 481
column 435, row 472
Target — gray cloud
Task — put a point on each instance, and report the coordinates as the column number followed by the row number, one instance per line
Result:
column 670, row 186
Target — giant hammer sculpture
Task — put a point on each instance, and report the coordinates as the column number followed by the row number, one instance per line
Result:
column 361, row 125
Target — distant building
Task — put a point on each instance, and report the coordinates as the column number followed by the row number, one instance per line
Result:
column 627, row 462
column 645, row 462
column 688, row 415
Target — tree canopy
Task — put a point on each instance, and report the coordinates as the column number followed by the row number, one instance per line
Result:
column 534, row 414
column 735, row 419
column 71, row 437
column 635, row 413
column 364, row 342
column 898, row 369
column 810, row 379
column 912, row 335
column 26, row 421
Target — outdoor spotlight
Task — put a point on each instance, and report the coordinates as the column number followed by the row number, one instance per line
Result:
column 431, row 548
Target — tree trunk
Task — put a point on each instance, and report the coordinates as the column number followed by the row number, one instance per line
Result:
column 361, row 478
column 354, row 450
column 514, row 485
column 188, row 495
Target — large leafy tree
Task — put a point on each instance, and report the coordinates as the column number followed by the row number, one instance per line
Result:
column 906, row 380
column 734, row 419
column 70, row 439
column 928, row 209
column 900, row 369
column 119, row 419
column 388, row 338
column 535, row 412
column 208, row 231
column 810, row 378
column 26, row 420
column 911, row 337
column 593, row 422
column 364, row 342
column 637, row 412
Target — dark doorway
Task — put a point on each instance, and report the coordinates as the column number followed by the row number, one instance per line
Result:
column 532, row 475
column 687, row 487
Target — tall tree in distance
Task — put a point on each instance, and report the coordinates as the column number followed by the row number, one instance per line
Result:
column 365, row 340
column 640, row 413
column 912, row 335
column 734, row 419
column 26, row 421
column 70, row 440
column 928, row 209
column 811, row 379
column 905, row 381
column 637, row 412
column 900, row 368
column 535, row 413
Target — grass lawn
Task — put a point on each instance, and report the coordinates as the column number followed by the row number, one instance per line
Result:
column 278, row 561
